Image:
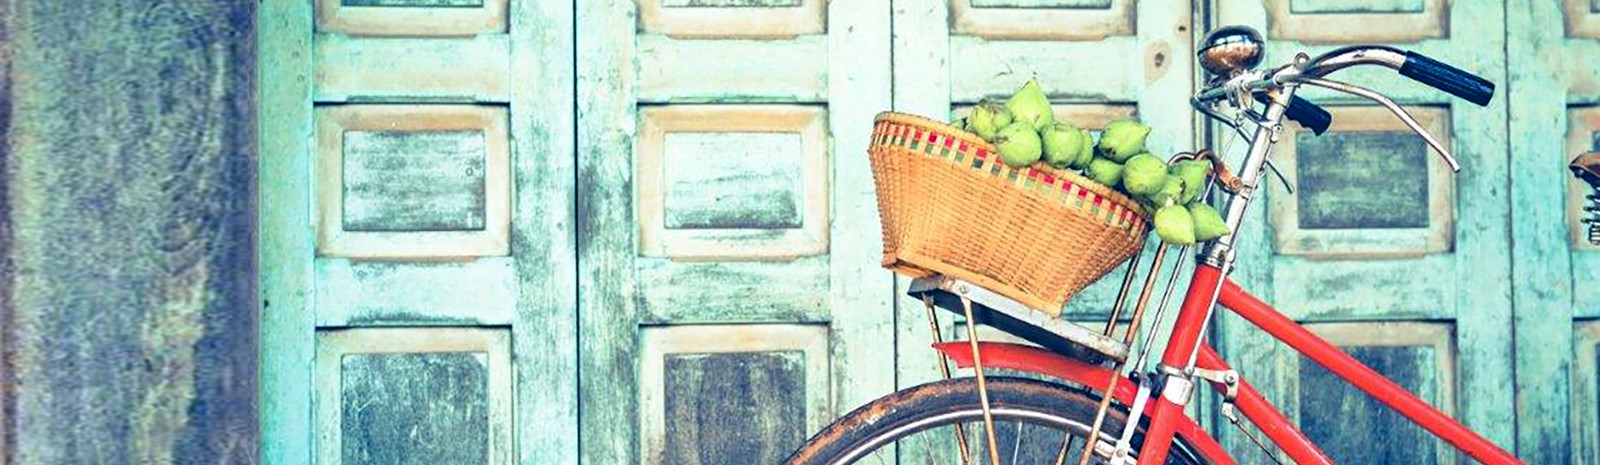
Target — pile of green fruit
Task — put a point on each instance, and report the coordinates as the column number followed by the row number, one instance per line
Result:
column 1025, row 132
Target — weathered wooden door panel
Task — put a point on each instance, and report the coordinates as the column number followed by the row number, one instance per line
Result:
column 416, row 232
column 1554, row 93
column 730, row 298
column 1380, row 248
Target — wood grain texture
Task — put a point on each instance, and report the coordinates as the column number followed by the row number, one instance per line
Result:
column 763, row 427
column 732, row 71
column 455, row 69
column 400, row 18
column 1544, row 83
column 414, row 409
column 8, row 384
column 607, row 312
column 1081, row 21
column 1350, row 425
column 1362, row 181
column 1356, row 6
column 133, row 297
column 414, row 180
column 731, row 19
column 413, row 3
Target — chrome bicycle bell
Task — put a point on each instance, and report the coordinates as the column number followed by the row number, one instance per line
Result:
column 1230, row 50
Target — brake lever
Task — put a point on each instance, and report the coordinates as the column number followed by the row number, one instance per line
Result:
column 1393, row 108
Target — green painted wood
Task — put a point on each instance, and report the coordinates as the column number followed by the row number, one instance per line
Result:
column 607, row 311
column 733, row 180
column 764, row 426
column 1389, row 190
column 1545, row 267
column 414, row 180
column 792, row 291
column 731, row 3
column 1072, row 4
column 482, row 292
column 1469, row 284
column 8, row 403
column 414, row 409
column 1355, row 6
column 732, row 71
column 287, row 244
column 1351, row 426
column 545, row 333
column 410, row 70
column 414, row 3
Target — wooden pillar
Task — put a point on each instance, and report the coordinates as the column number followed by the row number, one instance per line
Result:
column 127, row 258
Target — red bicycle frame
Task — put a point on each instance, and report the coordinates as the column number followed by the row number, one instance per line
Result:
column 1166, row 414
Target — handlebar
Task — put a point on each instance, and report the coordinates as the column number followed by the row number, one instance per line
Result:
column 1262, row 86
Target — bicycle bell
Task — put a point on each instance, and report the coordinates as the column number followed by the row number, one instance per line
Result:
column 1231, row 50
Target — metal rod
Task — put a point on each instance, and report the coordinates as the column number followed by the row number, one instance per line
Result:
column 944, row 369
column 1099, row 419
column 1161, row 309
column 1122, row 295
column 1393, row 108
column 1144, row 295
column 1066, row 445
column 983, row 386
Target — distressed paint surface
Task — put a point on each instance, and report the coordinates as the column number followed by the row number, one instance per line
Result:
column 1362, row 180
column 733, row 180
column 734, row 408
column 1101, row 4
column 414, row 409
column 414, row 3
column 730, row 3
column 1355, row 6
column 414, row 180
column 133, row 292
column 1351, row 426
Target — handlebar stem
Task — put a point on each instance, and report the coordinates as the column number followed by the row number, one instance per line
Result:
column 1268, row 131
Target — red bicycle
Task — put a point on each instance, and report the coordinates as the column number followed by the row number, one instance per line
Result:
column 1104, row 416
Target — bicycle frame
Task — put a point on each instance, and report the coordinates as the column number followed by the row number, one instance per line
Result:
column 1166, row 414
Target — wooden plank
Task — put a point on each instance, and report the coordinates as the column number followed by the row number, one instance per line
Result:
column 476, row 293
column 734, row 180
column 1585, row 420
column 1350, row 425
column 287, row 245
column 1370, row 24
column 607, row 315
column 657, row 166
column 1544, row 289
column 335, row 125
column 732, row 71
column 859, row 67
column 412, row 19
column 473, row 69
column 1071, row 22
column 664, row 349
column 716, row 20
column 129, row 267
column 391, row 425
column 545, row 228
column 980, row 68
column 413, row 180
column 689, row 293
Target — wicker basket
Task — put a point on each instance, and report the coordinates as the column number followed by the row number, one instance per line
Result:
column 950, row 207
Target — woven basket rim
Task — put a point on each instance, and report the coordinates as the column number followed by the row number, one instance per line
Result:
column 962, row 134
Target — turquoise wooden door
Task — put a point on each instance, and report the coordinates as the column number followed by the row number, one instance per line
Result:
column 731, row 301
column 1553, row 97
column 416, row 232
column 1381, row 249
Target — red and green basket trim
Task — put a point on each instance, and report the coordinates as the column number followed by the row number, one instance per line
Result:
column 934, row 144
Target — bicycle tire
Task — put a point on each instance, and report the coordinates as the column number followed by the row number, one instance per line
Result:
column 940, row 404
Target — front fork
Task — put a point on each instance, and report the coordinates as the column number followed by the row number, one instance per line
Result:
column 1176, row 387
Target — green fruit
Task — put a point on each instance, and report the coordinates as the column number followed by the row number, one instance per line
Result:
column 987, row 119
column 1105, row 172
column 1208, row 223
column 1169, row 193
column 1030, row 105
column 1019, row 145
column 1123, row 138
column 1086, row 153
column 1061, row 144
column 1193, row 174
column 1144, row 174
column 1174, row 225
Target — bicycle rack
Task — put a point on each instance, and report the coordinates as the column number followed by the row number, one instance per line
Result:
column 982, row 306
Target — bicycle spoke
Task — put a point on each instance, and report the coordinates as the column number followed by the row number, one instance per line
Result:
column 1016, row 447
column 1066, row 445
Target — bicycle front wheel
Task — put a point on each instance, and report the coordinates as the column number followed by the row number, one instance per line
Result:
column 1034, row 421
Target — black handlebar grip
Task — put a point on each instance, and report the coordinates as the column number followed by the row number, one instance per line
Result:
column 1447, row 78
column 1308, row 114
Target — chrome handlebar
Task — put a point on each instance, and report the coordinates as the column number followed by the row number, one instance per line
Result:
column 1312, row 71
